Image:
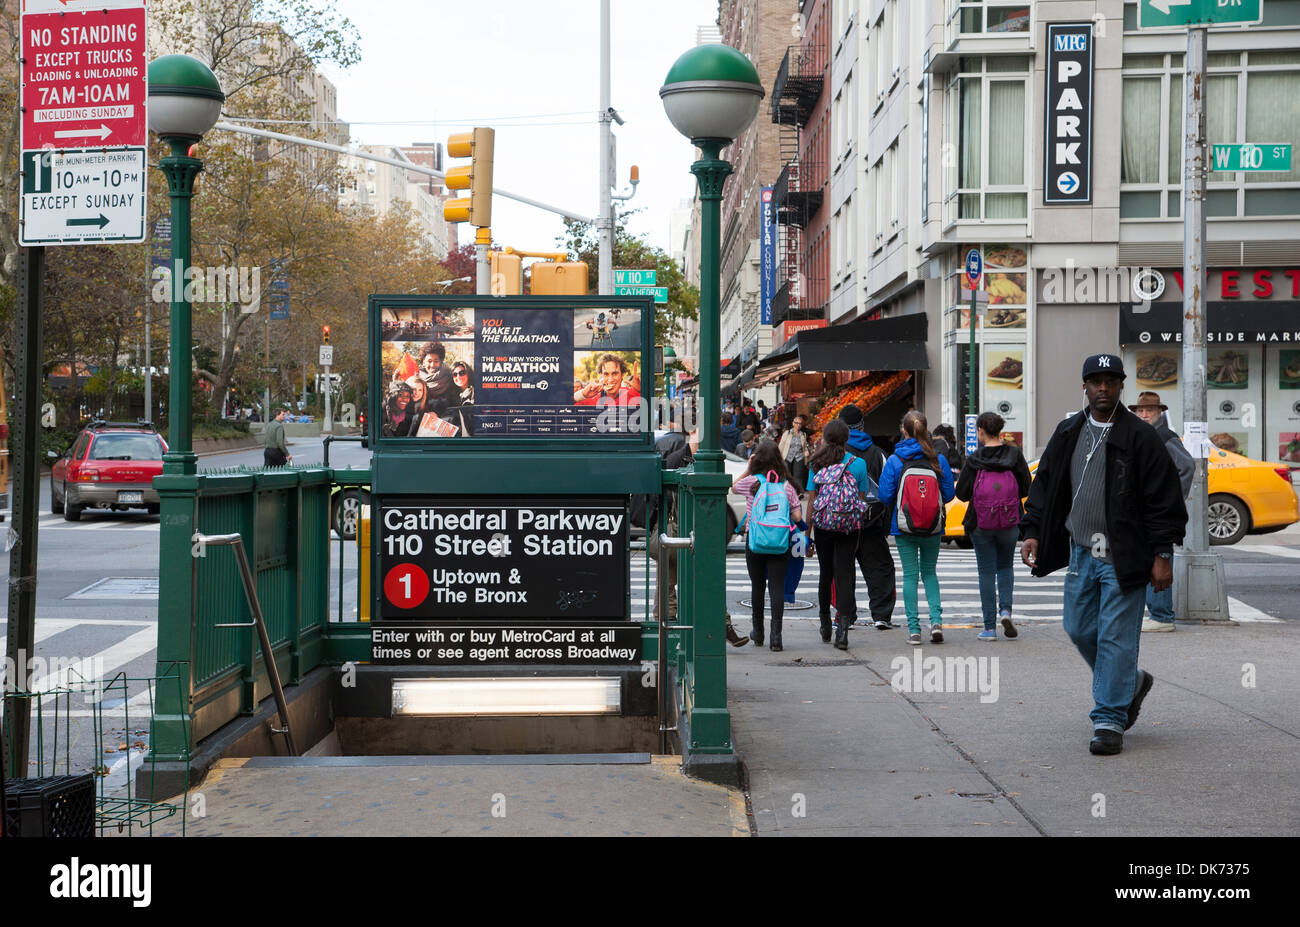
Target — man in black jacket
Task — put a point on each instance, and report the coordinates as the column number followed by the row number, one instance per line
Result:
column 1107, row 502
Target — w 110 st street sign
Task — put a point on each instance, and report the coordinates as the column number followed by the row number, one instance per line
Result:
column 1258, row 156
column 1164, row 14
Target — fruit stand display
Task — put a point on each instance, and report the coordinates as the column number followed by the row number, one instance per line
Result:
column 866, row 393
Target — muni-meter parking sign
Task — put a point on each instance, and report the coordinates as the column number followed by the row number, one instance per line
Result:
column 82, row 197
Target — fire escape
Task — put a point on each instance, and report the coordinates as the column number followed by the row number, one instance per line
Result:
column 799, row 188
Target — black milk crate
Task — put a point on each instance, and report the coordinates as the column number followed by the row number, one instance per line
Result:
column 53, row 806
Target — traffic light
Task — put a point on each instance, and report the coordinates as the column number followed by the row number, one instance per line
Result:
column 324, row 334
column 476, row 177
column 507, row 273
column 559, row 278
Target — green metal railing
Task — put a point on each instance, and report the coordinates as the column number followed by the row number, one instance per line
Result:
column 283, row 516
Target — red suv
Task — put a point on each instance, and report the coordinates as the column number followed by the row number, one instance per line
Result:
column 111, row 465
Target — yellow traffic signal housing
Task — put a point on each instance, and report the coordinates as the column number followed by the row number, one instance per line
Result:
column 559, row 278
column 476, row 177
column 507, row 273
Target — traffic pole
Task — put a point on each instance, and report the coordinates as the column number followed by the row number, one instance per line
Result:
column 326, row 426
column 604, row 217
column 482, row 267
column 973, row 399
column 21, row 640
column 1200, row 592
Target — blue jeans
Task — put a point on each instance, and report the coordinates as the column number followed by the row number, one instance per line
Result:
column 1105, row 624
column 994, row 552
column 1161, row 604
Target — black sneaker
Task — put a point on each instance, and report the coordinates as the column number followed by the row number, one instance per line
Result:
column 1135, row 706
column 1106, row 742
column 883, row 625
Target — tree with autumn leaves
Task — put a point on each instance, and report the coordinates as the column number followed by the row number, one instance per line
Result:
column 257, row 205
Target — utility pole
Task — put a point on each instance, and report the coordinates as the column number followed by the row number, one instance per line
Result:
column 1200, row 593
column 604, row 215
column 266, row 364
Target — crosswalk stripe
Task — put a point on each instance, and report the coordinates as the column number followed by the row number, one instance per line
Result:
column 118, row 655
column 1272, row 550
column 1240, row 611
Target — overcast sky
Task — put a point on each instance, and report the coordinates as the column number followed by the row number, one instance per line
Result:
column 531, row 70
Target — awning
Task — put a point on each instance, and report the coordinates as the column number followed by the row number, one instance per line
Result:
column 897, row 343
column 740, row 383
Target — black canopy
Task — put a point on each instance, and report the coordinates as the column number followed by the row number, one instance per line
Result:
column 883, row 344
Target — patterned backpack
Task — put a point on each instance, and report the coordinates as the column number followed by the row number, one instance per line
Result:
column 839, row 506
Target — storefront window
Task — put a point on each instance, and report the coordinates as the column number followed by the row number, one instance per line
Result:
column 1251, row 96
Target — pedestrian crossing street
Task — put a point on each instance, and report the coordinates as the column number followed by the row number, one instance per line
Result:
column 1034, row 598
column 958, row 588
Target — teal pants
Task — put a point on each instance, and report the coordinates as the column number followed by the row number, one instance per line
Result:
column 919, row 555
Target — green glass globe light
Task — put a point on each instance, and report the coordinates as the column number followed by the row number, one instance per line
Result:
column 711, row 92
column 185, row 97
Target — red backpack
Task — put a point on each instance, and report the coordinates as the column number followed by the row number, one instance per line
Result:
column 920, row 500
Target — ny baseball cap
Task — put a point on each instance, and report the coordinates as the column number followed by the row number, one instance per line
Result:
column 1104, row 363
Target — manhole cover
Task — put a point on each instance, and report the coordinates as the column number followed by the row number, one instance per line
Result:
column 120, row 587
column 796, row 605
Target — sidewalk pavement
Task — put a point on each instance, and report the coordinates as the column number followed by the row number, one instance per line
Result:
column 831, row 748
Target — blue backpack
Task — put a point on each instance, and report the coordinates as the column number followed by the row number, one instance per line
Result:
column 770, row 526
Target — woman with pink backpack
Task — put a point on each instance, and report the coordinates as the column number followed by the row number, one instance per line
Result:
column 994, row 480
column 917, row 483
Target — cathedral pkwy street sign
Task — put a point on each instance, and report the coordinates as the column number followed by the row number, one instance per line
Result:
column 1166, row 14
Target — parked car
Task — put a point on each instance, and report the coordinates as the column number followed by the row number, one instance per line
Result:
column 110, row 465
column 1246, row 497
column 345, row 509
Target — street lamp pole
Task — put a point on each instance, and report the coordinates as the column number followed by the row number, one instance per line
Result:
column 180, row 170
column 711, row 173
column 185, row 100
column 710, row 95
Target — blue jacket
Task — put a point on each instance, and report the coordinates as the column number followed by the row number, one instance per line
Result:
column 906, row 450
column 730, row 437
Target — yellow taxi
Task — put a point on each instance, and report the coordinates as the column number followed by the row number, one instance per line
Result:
column 1246, row 497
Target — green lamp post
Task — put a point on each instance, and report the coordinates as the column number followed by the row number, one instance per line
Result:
column 184, row 102
column 711, row 94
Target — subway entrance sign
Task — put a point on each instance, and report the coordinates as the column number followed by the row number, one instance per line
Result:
column 1251, row 157
column 510, row 433
column 1166, row 14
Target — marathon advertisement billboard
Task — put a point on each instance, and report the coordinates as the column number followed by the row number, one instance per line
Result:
column 488, row 369
column 767, row 255
column 502, row 559
column 1067, row 145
